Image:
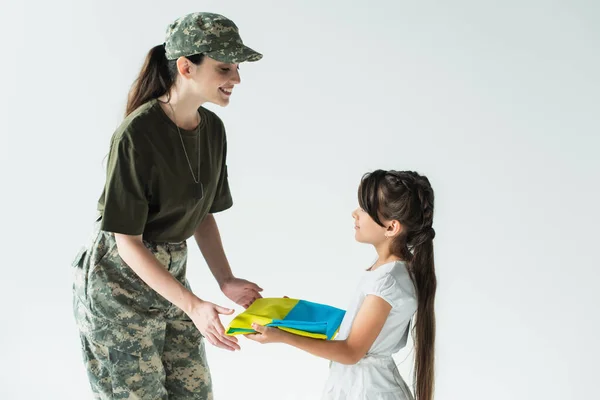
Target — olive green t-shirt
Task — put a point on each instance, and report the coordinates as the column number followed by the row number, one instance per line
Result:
column 150, row 189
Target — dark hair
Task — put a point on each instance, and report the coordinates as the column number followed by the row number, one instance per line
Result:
column 156, row 77
column 407, row 197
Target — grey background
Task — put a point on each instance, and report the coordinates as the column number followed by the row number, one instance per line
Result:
column 497, row 102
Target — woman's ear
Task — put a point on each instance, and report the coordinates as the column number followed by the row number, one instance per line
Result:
column 184, row 67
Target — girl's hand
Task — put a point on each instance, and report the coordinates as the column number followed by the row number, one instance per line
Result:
column 266, row 334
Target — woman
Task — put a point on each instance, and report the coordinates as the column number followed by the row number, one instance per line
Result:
column 141, row 327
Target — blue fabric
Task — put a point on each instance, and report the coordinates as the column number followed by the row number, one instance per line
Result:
column 313, row 317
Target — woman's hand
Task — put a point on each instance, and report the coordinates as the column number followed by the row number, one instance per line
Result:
column 205, row 316
column 241, row 291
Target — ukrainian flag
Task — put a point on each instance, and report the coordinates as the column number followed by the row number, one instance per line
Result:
column 300, row 317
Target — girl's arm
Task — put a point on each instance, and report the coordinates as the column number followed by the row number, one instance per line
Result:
column 366, row 327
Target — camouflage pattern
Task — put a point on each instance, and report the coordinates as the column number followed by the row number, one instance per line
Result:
column 136, row 345
column 209, row 34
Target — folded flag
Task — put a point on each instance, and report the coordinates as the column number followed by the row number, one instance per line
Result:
column 300, row 317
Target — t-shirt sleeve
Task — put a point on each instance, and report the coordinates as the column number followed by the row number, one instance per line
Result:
column 125, row 200
column 222, row 200
column 386, row 288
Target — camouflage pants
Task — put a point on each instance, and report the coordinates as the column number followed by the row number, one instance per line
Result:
column 136, row 345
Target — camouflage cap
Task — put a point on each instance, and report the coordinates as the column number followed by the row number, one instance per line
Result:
column 209, row 34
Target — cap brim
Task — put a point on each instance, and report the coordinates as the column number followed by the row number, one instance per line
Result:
column 235, row 55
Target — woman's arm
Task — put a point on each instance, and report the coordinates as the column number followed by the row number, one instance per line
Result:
column 208, row 238
column 150, row 270
column 204, row 314
column 366, row 327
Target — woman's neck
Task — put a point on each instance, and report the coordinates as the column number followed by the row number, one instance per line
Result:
column 182, row 109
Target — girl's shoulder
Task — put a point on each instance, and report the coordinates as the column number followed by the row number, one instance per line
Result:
column 392, row 283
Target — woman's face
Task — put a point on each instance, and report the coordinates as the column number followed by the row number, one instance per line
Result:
column 212, row 81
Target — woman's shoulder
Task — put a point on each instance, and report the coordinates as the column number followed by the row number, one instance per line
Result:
column 212, row 119
column 134, row 127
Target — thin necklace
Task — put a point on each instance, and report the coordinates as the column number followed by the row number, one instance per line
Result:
column 196, row 179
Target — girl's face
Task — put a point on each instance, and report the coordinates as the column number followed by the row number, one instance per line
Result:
column 212, row 81
column 366, row 230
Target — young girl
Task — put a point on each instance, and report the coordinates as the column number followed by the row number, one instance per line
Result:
column 395, row 216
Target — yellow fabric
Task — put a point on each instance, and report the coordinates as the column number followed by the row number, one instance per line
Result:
column 262, row 312
column 303, row 333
